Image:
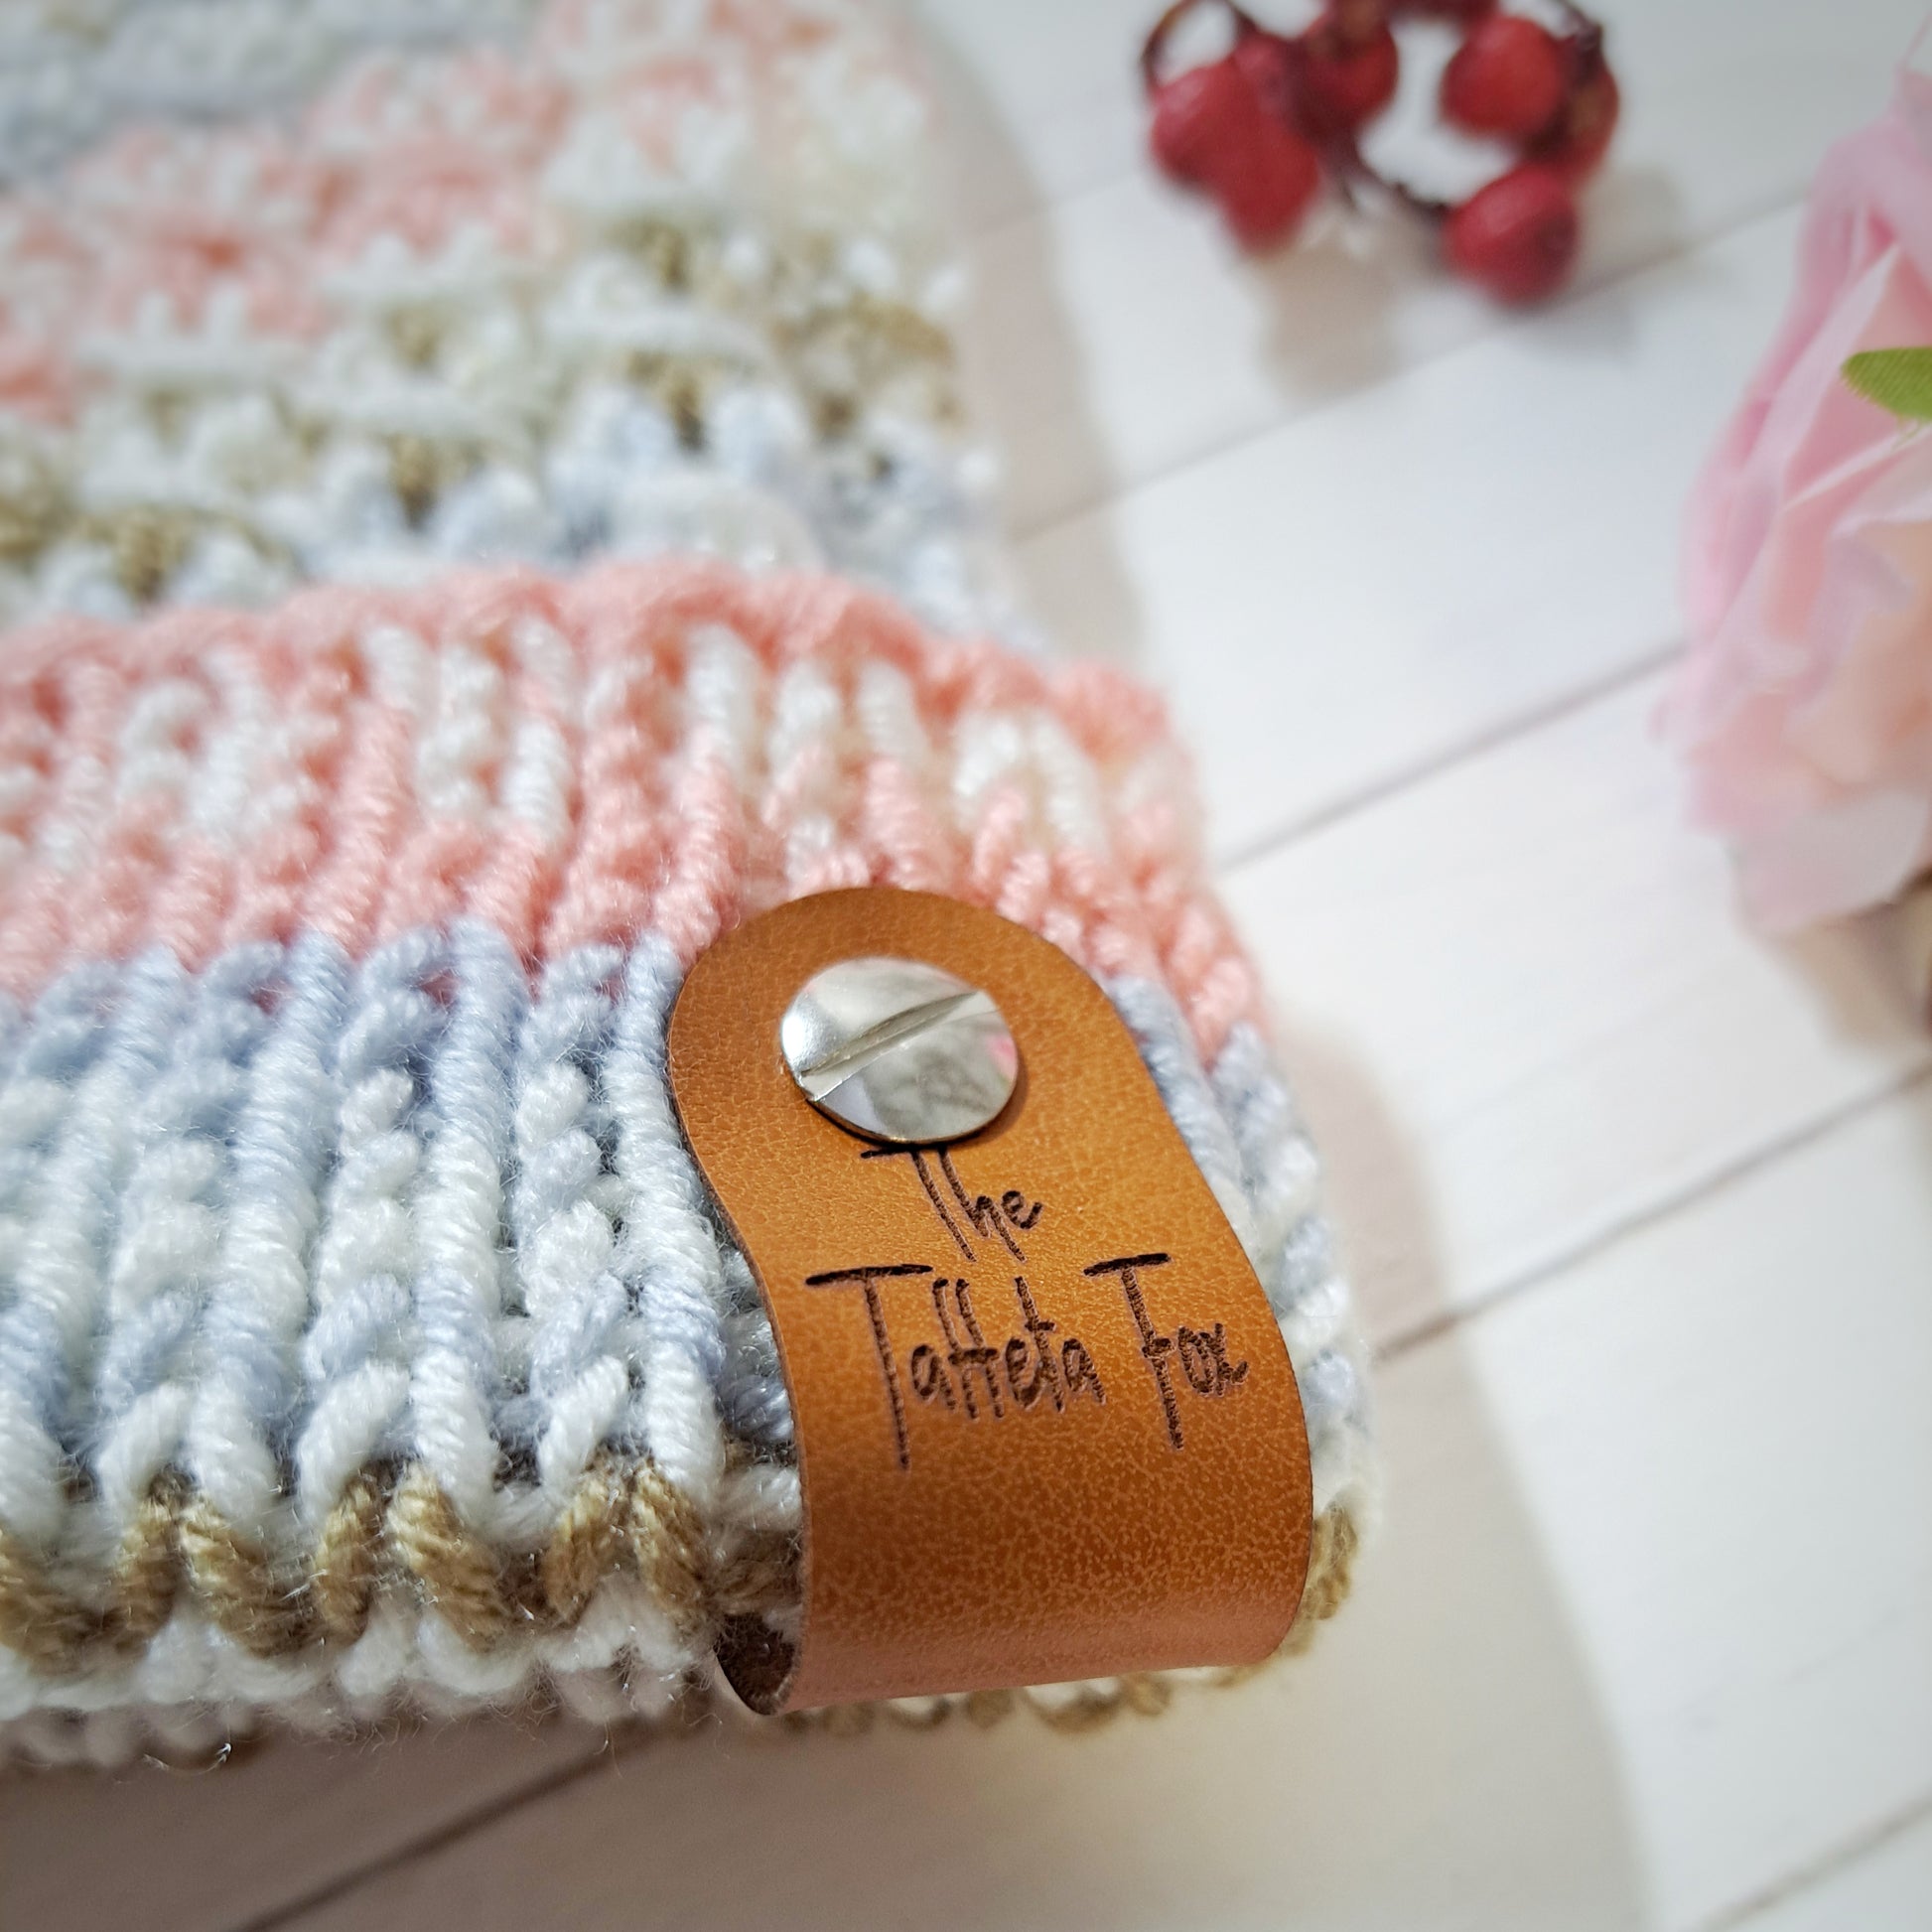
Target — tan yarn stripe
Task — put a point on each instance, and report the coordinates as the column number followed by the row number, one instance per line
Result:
column 761, row 1572
column 667, row 1546
column 50, row 1629
column 584, row 1547
column 149, row 1564
column 622, row 1519
column 458, row 1572
column 1331, row 1561
column 38, row 1620
column 235, row 1581
column 348, row 1563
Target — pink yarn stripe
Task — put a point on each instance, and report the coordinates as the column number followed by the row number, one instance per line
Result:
column 349, row 886
column 639, row 821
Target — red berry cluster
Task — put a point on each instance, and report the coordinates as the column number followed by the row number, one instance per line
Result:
column 1259, row 129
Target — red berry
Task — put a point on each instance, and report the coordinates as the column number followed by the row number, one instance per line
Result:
column 1269, row 64
column 1463, row 11
column 1355, row 23
column 1575, row 143
column 1350, row 74
column 1507, row 78
column 1517, row 237
column 1210, row 129
column 1197, row 115
column 1265, row 191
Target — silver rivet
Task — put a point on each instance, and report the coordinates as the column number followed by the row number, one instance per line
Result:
column 899, row 1050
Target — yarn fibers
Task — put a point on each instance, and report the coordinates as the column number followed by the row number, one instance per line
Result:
column 426, row 435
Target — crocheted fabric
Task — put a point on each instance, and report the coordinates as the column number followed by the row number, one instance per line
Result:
column 365, row 1327
column 655, row 278
column 367, row 1341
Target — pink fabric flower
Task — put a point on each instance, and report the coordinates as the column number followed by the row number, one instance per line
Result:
column 1805, row 705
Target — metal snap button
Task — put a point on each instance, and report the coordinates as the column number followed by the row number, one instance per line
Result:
column 899, row 1050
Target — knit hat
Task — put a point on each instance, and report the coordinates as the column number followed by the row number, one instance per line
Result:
column 367, row 1339
column 642, row 276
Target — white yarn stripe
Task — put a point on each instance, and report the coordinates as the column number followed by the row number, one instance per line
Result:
column 59, row 1242
column 251, row 1394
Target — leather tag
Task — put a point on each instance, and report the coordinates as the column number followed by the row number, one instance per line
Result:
column 1046, row 1421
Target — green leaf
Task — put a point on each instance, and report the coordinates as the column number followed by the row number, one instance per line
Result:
column 1898, row 380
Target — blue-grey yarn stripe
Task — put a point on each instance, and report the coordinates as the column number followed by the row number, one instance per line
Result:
column 548, row 1275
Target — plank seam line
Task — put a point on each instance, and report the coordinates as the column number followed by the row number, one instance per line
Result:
column 1671, row 1202
column 1021, row 532
column 616, row 1747
column 1828, row 1864
column 619, row 1745
column 1460, row 751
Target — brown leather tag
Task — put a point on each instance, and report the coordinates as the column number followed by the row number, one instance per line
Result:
column 1046, row 1421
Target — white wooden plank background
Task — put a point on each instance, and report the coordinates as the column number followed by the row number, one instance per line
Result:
column 1600, row 1676
column 1887, row 1882
column 1640, row 1205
